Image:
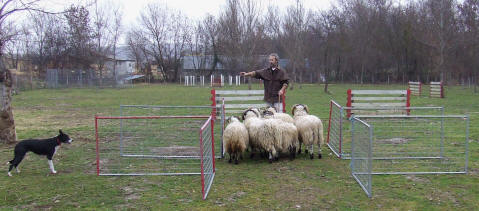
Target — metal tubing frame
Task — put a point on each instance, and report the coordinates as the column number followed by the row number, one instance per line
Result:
column 368, row 189
column 340, row 153
column 202, row 129
column 146, row 156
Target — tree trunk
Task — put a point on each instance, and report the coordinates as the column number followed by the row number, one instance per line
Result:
column 8, row 134
column 475, row 82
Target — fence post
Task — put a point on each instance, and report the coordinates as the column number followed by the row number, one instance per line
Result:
column 408, row 101
column 349, row 103
column 329, row 124
column 213, row 102
column 97, row 149
column 442, row 90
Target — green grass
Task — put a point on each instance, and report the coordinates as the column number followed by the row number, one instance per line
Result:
column 253, row 184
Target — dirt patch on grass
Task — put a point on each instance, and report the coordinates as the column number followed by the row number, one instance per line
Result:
column 393, row 141
column 297, row 197
column 131, row 193
column 417, row 179
column 176, row 151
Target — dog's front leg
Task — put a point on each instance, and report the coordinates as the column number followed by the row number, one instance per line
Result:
column 52, row 168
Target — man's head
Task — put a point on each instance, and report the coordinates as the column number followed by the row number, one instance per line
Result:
column 273, row 60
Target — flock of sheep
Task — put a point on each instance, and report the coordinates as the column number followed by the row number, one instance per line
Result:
column 271, row 133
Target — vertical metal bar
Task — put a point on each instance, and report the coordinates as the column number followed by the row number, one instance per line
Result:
column 341, row 132
column 329, row 126
column 121, row 131
column 370, row 161
column 467, row 144
column 349, row 103
column 97, row 147
column 213, row 144
column 441, row 149
column 222, row 122
column 352, row 146
column 202, row 170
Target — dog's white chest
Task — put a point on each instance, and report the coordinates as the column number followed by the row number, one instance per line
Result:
column 56, row 148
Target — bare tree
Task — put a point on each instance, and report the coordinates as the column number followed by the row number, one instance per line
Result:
column 295, row 25
column 116, row 31
column 101, row 24
column 8, row 8
column 469, row 20
column 168, row 34
column 241, row 33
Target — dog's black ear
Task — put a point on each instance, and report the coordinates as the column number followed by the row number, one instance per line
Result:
column 60, row 131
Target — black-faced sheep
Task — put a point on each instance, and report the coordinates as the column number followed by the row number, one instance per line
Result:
column 235, row 139
column 310, row 129
column 261, row 133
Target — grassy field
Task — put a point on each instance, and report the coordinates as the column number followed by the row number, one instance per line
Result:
column 302, row 184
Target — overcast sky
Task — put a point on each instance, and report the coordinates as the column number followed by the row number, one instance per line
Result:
column 195, row 9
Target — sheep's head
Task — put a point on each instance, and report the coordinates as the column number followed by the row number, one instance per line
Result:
column 268, row 114
column 271, row 109
column 232, row 119
column 300, row 109
column 251, row 112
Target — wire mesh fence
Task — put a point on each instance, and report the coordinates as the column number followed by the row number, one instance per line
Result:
column 207, row 156
column 66, row 78
column 415, row 144
column 166, row 110
column 361, row 154
column 424, row 144
column 339, row 128
column 150, row 145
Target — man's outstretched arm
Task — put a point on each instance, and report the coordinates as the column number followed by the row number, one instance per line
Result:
column 251, row 74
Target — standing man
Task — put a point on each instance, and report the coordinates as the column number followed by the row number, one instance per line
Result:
column 275, row 82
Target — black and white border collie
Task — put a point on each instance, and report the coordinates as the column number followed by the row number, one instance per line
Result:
column 46, row 147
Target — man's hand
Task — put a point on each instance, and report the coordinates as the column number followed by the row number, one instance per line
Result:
column 281, row 92
column 242, row 73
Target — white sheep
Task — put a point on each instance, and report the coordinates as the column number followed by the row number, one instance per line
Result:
column 283, row 116
column 286, row 134
column 235, row 139
column 310, row 129
column 261, row 133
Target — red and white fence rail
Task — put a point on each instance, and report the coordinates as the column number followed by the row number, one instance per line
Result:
column 436, row 89
column 361, row 100
column 415, row 87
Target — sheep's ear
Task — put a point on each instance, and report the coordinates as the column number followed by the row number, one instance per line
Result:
column 293, row 109
column 243, row 115
column 60, row 131
column 306, row 108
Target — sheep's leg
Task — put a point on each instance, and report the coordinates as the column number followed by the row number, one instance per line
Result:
column 319, row 151
column 270, row 157
column 241, row 156
column 229, row 161
column 292, row 153
column 311, row 155
column 299, row 151
column 236, row 158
